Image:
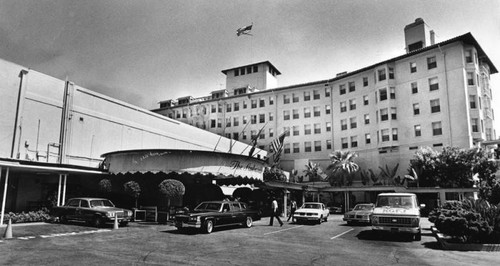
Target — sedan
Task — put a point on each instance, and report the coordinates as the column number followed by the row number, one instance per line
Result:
column 312, row 211
column 360, row 214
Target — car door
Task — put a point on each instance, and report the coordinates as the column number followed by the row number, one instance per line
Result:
column 226, row 215
column 83, row 212
column 70, row 209
column 238, row 215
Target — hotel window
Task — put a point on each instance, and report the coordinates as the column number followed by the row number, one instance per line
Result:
column 262, row 118
column 392, row 92
column 353, row 122
column 286, row 115
column 286, row 147
column 381, row 74
column 307, row 95
column 245, row 121
column 416, row 109
column 316, row 95
column 328, row 144
column 342, row 89
column 253, row 119
column 307, row 112
column 475, row 125
column 307, row 146
column 435, row 106
column 365, row 81
column 413, row 67
column 295, row 98
column 385, row 135
column 213, row 109
column 327, row 92
column 328, row 126
column 431, row 62
column 295, row 113
column 255, row 69
column 286, row 99
column 470, row 78
column 433, row 84
column 295, row 130
column 253, row 134
column 236, row 107
column 219, row 108
column 242, row 71
column 391, row 73
column 244, row 105
column 328, row 109
column 472, row 101
column 317, row 111
column 243, row 135
column 296, row 148
column 271, row 116
column 236, row 72
column 367, row 119
column 228, row 122
column 368, row 139
column 365, row 100
column 394, row 114
column 307, row 129
column 436, row 129
column 418, row 130
column 468, row 56
column 317, row 145
column 236, row 121
column 352, row 86
column 249, row 70
column 212, row 123
column 236, row 135
column 184, row 113
column 219, row 122
column 227, row 135
column 254, row 103
column 262, row 135
column 317, row 128
column 352, row 104
column 343, row 107
column 394, row 134
column 414, row 87
column 228, row 107
column 287, row 131
column 343, row 124
column 384, row 115
column 345, row 145
column 354, row 141
column 271, row 100
column 262, row 102
column 383, row 94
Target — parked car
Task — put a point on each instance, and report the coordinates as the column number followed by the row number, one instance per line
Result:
column 95, row 211
column 360, row 214
column 397, row 213
column 312, row 211
column 212, row 214
column 335, row 209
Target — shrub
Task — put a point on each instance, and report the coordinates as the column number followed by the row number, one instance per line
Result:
column 28, row 217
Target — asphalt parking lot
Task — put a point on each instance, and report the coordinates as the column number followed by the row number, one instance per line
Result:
column 331, row 243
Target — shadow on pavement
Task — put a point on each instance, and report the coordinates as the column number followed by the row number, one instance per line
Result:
column 383, row 236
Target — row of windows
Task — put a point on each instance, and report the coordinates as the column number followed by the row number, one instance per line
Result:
column 247, row 70
column 306, row 96
column 316, row 112
column 308, row 146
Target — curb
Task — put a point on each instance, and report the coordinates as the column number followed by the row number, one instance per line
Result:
column 463, row 247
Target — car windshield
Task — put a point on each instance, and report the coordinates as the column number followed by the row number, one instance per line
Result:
column 101, row 203
column 311, row 206
column 210, row 206
column 395, row 201
column 364, row 207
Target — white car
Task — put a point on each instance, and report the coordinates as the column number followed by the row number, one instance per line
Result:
column 312, row 211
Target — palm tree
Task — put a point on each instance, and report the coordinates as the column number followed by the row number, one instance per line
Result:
column 314, row 172
column 342, row 167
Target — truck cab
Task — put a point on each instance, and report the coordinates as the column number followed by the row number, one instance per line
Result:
column 397, row 213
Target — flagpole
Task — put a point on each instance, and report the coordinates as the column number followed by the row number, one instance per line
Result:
column 257, row 137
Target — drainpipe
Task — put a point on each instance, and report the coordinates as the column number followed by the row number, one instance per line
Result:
column 447, row 95
column 19, row 108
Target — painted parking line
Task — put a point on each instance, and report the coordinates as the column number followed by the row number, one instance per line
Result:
column 342, row 233
column 282, row 230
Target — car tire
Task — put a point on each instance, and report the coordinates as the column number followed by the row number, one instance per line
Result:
column 97, row 222
column 248, row 222
column 63, row 219
column 208, row 226
column 326, row 218
column 320, row 220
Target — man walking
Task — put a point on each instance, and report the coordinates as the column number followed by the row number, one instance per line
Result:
column 274, row 206
column 293, row 208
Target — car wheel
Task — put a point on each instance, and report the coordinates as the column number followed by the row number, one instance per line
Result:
column 248, row 222
column 63, row 219
column 320, row 220
column 326, row 218
column 97, row 222
column 209, row 226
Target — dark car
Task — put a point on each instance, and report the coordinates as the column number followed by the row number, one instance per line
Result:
column 360, row 214
column 211, row 214
column 95, row 211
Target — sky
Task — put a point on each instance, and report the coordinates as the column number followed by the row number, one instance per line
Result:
column 146, row 51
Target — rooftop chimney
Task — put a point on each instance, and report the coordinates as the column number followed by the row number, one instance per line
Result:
column 418, row 35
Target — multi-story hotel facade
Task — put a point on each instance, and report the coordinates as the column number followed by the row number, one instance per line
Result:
column 435, row 95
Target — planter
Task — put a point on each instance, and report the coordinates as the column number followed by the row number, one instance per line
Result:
column 445, row 244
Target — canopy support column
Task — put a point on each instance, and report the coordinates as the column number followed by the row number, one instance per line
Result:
column 59, row 191
column 4, row 198
column 63, row 200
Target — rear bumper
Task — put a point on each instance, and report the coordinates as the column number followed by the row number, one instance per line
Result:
column 306, row 218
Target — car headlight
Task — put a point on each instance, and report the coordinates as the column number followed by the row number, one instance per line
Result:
column 415, row 221
column 129, row 213
column 194, row 218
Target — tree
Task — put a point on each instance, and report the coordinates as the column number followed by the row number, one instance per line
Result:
column 133, row 189
column 105, row 185
column 172, row 188
column 314, row 172
column 342, row 168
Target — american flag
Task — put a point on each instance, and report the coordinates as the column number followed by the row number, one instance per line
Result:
column 277, row 147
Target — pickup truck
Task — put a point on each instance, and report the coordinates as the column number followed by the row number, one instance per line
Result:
column 211, row 214
column 397, row 213
column 95, row 211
